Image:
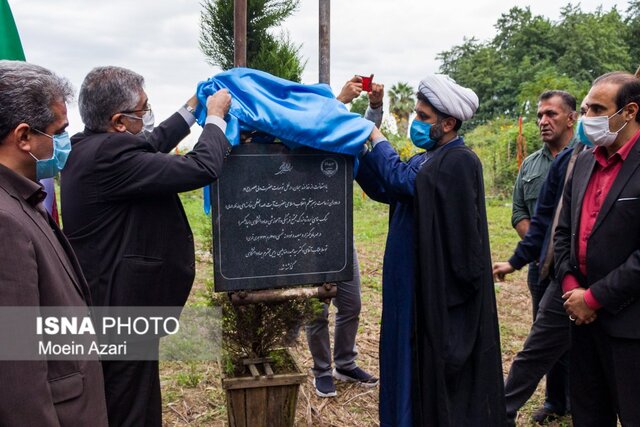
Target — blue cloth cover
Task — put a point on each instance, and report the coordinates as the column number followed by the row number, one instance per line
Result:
column 297, row 114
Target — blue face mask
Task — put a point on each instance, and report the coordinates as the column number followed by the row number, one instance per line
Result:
column 48, row 168
column 581, row 135
column 420, row 135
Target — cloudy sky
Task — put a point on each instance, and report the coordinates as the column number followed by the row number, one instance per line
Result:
column 396, row 40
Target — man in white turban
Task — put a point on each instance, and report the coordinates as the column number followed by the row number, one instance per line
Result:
column 440, row 358
column 448, row 97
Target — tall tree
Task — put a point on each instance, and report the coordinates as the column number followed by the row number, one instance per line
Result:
column 529, row 53
column 633, row 23
column 402, row 101
column 275, row 54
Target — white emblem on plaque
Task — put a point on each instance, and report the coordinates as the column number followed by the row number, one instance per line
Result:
column 329, row 167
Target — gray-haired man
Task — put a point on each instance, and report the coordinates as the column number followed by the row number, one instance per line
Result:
column 37, row 265
column 123, row 216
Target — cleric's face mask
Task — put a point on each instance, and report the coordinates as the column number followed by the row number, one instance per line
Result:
column 423, row 135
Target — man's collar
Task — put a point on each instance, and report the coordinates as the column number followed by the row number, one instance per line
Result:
column 546, row 151
column 573, row 142
column 21, row 186
column 602, row 157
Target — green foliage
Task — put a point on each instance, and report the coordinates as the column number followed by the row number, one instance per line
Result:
column 360, row 104
column 543, row 80
column 277, row 55
column 280, row 57
column 255, row 330
column 530, row 54
column 495, row 144
column 633, row 24
column 403, row 145
column 201, row 223
column 402, row 102
column 190, row 378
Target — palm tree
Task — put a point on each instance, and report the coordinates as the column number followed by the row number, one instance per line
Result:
column 402, row 101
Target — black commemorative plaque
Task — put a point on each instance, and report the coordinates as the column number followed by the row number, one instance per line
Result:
column 281, row 218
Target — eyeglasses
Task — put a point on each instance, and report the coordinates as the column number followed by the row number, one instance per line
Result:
column 138, row 111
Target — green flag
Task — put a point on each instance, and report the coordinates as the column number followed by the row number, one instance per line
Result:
column 10, row 46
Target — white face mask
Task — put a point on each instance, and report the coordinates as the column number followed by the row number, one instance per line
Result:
column 148, row 121
column 597, row 129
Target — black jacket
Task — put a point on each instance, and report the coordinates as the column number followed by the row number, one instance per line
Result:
column 459, row 378
column 613, row 249
column 122, row 214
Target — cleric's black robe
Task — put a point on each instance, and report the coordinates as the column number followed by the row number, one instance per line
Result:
column 459, row 378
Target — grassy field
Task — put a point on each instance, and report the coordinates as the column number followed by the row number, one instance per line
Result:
column 192, row 394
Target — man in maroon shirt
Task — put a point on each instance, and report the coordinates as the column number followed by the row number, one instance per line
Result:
column 597, row 249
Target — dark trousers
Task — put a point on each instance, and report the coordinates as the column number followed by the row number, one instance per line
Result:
column 605, row 378
column 132, row 391
column 535, row 289
column 544, row 352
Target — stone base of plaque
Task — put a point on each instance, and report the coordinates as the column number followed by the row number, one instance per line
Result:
column 264, row 398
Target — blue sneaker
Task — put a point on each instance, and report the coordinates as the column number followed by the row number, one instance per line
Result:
column 356, row 375
column 325, row 386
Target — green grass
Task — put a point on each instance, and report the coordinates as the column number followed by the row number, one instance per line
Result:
column 199, row 221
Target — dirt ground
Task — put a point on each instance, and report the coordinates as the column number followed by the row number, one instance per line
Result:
column 192, row 393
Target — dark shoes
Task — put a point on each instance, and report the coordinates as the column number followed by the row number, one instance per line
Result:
column 544, row 416
column 356, row 375
column 325, row 386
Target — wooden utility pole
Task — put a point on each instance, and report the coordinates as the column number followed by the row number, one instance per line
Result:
column 240, row 33
column 325, row 40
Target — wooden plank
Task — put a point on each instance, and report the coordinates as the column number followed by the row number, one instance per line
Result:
column 268, row 370
column 277, row 380
column 256, row 404
column 236, row 408
column 257, row 361
column 254, row 371
column 281, row 405
column 324, row 292
column 292, row 401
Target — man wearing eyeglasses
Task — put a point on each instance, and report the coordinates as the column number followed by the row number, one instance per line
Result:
column 123, row 216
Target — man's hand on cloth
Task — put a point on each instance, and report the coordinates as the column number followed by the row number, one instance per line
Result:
column 577, row 308
column 219, row 103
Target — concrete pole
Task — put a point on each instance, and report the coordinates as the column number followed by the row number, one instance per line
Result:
column 325, row 41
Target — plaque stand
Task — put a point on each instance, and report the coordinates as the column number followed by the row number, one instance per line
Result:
column 323, row 292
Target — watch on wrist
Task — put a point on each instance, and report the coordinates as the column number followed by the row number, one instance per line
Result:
column 190, row 109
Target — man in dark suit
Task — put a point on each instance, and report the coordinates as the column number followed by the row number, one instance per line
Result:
column 123, row 216
column 37, row 265
column 597, row 249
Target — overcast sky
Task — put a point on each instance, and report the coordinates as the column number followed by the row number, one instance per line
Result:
column 397, row 40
